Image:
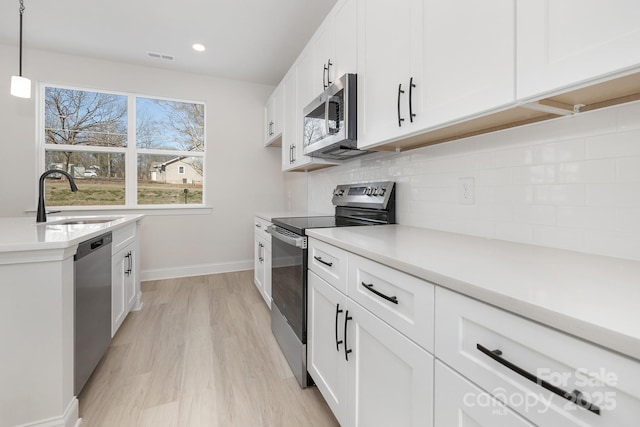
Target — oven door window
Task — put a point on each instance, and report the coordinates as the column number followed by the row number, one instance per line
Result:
column 288, row 282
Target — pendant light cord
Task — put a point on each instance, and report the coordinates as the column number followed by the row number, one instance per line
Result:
column 21, row 12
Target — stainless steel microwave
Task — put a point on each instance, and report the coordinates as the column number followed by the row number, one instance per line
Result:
column 330, row 122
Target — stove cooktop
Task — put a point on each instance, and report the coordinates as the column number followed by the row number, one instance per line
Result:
column 299, row 224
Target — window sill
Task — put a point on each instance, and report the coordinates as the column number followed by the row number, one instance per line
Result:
column 146, row 210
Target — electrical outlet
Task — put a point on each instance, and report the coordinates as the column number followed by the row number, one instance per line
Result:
column 465, row 191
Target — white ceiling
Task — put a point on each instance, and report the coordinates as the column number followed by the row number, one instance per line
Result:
column 250, row 40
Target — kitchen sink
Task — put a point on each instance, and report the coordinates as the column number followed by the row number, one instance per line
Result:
column 81, row 221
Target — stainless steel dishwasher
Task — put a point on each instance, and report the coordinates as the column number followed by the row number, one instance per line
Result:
column 92, row 306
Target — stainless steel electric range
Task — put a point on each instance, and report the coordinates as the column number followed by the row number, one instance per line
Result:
column 355, row 205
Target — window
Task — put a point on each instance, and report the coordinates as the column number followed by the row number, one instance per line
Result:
column 122, row 149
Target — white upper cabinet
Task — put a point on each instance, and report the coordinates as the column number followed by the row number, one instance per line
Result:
column 335, row 46
column 274, row 117
column 389, row 55
column 469, row 59
column 563, row 43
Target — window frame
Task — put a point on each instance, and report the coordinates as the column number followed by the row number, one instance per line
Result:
column 131, row 151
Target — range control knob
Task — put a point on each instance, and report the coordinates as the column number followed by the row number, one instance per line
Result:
column 382, row 191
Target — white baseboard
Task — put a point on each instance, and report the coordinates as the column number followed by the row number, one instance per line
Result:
column 68, row 419
column 195, row 270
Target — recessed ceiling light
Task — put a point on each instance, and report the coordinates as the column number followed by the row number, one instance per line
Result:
column 199, row 47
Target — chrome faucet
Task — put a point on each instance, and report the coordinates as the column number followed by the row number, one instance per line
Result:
column 42, row 213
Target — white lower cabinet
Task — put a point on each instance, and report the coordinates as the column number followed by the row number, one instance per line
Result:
column 125, row 288
column 548, row 377
column 325, row 349
column 123, row 285
column 460, row 403
column 369, row 373
column 262, row 259
column 389, row 378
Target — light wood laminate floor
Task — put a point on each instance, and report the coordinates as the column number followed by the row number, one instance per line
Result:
column 199, row 353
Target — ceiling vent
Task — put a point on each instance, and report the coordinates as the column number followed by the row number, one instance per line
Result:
column 160, row 56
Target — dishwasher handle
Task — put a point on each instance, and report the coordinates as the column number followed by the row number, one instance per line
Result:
column 88, row 246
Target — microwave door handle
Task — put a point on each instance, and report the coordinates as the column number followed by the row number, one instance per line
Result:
column 326, row 115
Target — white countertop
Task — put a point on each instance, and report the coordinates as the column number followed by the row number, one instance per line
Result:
column 593, row 297
column 24, row 234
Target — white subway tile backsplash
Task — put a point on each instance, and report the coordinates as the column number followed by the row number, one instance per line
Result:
column 614, row 145
column 588, row 171
column 628, row 116
column 586, row 217
column 535, row 214
column 558, row 237
column 614, row 195
column 628, row 169
column 571, row 183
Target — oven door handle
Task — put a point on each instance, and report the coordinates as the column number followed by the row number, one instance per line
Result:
column 298, row 242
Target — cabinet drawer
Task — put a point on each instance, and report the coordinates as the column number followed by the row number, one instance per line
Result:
column 403, row 301
column 123, row 236
column 518, row 360
column 460, row 403
column 261, row 227
column 328, row 262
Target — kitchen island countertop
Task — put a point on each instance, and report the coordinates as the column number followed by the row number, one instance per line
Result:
column 18, row 234
column 590, row 296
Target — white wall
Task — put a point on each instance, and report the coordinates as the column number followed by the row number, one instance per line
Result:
column 171, row 245
column 571, row 183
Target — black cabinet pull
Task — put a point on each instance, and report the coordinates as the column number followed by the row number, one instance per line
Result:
column 411, row 86
column 346, row 351
column 317, row 258
column 324, row 76
column 369, row 287
column 575, row 396
column 338, row 311
column 400, row 91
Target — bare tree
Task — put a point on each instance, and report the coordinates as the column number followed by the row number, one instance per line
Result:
column 185, row 123
column 75, row 117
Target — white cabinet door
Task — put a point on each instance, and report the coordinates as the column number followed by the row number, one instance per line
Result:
column 469, row 59
column 274, row 116
column 266, row 283
column 335, row 45
column 325, row 351
column 118, row 279
column 323, row 55
column 258, row 263
column 345, row 55
column 130, row 276
column 561, row 43
column 389, row 56
column 390, row 379
column 459, row 403
column 289, row 133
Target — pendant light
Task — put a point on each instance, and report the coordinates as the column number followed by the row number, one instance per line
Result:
column 21, row 86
